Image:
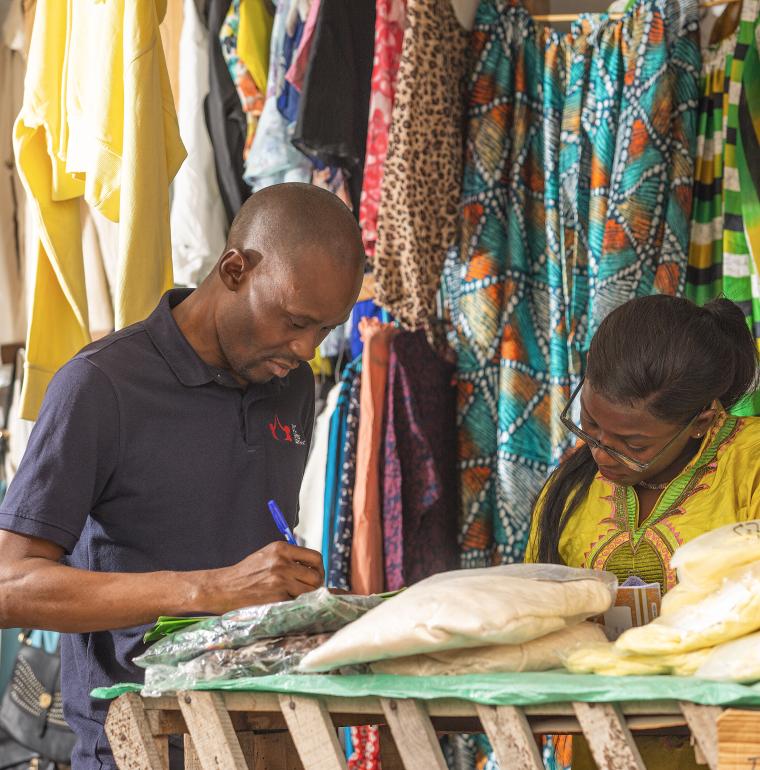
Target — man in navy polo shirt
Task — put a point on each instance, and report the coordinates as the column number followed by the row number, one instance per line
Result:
column 144, row 488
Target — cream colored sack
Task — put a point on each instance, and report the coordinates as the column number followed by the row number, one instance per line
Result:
column 706, row 559
column 736, row 661
column 511, row 604
column 726, row 613
column 539, row 655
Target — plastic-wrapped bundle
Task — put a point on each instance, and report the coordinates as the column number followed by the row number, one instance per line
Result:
column 509, row 604
column 277, row 655
column 727, row 613
column 540, row 654
column 316, row 612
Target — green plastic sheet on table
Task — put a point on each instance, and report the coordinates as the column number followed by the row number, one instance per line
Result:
column 523, row 689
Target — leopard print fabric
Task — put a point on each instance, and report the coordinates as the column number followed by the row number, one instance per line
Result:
column 422, row 181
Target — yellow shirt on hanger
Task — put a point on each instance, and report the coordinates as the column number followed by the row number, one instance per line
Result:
column 97, row 121
column 254, row 35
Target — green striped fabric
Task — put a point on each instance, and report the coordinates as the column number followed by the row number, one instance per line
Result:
column 724, row 252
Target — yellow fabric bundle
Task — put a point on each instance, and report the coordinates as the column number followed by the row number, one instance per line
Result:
column 704, row 622
column 606, row 659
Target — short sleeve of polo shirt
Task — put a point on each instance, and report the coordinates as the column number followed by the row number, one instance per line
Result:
column 72, row 453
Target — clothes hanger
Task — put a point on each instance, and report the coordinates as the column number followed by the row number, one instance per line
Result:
column 557, row 17
column 726, row 24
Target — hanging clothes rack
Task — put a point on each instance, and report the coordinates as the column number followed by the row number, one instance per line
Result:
column 560, row 17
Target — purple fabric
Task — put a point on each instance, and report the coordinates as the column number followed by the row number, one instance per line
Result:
column 420, row 518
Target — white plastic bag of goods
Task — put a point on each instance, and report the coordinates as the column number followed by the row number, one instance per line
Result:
column 542, row 654
column 736, row 661
column 728, row 612
column 705, row 560
column 511, row 604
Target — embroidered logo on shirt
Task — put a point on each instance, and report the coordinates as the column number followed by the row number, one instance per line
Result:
column 286, row 433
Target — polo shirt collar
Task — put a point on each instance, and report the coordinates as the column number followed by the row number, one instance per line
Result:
column 188, row 367
column 178, row 353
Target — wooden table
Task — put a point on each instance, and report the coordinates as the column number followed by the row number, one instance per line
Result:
column 270, row 731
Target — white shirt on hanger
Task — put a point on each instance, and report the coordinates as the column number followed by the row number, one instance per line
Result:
column 198, row 221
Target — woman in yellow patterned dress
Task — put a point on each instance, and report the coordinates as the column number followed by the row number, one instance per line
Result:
column 660, row 459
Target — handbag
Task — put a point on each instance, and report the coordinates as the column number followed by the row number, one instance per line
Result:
column 13, row 756
column 31, row 712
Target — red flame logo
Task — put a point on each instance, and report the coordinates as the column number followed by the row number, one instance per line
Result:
column 280, row 432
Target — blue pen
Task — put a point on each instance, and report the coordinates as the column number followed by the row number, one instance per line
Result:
column 280, row 522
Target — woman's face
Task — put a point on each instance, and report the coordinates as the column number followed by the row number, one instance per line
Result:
column 633, row 431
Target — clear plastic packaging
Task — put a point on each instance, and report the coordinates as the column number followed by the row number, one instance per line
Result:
column 607, row 660
column 727, row 613
column 277, row 655
column 510, row 604
column 706, row 559
column 316, row 612
column 542, row 654
column 735, row 661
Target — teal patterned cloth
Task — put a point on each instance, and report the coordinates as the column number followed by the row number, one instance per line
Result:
column 577, row 197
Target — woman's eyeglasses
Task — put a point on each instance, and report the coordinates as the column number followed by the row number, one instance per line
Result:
column 629, row 462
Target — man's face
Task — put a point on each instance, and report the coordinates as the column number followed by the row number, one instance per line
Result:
column 282, row 312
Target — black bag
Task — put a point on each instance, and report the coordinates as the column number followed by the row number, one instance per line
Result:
column 32, row 710
column 13, row 756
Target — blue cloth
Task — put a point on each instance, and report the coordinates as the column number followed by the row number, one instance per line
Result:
column 144, row 459
column 289, row 99
column 333, row 468
column 364, row 309
column 339, row 568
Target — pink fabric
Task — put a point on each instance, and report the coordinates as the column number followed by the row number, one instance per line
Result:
column 297, row 71
column 389, row 35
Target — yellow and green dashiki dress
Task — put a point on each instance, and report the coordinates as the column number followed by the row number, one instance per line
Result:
column 719, row 486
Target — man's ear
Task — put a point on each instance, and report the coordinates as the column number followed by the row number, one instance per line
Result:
column 235, row 266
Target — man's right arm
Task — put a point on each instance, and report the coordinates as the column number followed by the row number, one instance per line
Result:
column 36, row 591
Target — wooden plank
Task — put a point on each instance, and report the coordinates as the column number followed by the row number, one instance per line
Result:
column 608, row 736
column 511, row 737
column 739, row 740
column 129, row 734
column 703, row 723
column 414, row 734
column 211, row 729
column 268, row 703
column 191, row 756
column 162, row 747
column 313, row 732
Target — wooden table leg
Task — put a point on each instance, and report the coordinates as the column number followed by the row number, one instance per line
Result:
column 191, row 755
column 128, row 731
column 703, row 723
column 511, row 737
column 313, row 732
column 608, row 736
column 414, row 735
column 211, row 729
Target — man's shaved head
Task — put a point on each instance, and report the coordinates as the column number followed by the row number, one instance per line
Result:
column 283, row 220
column 290, row 273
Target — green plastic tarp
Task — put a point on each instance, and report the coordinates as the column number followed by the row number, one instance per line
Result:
column 525, row 689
